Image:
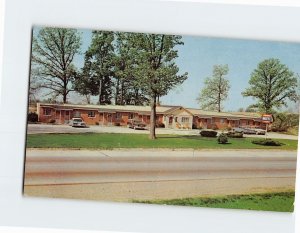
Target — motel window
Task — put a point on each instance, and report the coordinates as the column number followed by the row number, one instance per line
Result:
column 47, row 111
column 91, row 114
column 222, row 120
column 118, row 115
column 185, row 119
column 148, row 117
column 130, row 115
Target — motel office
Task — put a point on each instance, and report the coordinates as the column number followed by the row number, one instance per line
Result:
column 171, row 116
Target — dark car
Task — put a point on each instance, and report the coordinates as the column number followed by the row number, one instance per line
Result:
column 136, row 124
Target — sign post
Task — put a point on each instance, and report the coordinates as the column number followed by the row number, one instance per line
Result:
column 267, row 119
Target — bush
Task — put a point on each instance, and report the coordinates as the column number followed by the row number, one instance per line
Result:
column 222, row 138
column 208, row 133
column 160, row 125
column 117, row 124
column 32, row 117
column 52, row 121
column 235, row 135
column 267, row 142
column 97, row 123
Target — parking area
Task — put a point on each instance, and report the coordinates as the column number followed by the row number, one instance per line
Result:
column 47, row 128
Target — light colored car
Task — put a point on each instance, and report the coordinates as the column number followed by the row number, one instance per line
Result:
column 136, row 124
column 77, row 122
column 244, row 130
column 260, row 131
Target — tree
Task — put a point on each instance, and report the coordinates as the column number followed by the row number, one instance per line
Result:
column 96, row 75
column 53, row 51
column 272, row 84
column 127, row 88
column 156, row 72
column 215, row 90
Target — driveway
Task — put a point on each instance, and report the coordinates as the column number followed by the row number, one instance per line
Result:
column 45, row 128
column 135, row 174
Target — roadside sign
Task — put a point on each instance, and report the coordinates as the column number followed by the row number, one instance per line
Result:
column 267, row 118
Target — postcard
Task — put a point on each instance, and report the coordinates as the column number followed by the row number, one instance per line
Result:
column 162, row 119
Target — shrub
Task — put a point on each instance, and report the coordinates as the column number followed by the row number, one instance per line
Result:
column 52, row 121
column 117, row 124
column 267, row 142
column 208, row 133
column 32, row 117
column 222, row 138
column 160, row 125
column 235, row 134
column 97, row 123
column 194, row 126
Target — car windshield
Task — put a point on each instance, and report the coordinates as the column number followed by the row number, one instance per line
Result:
column 77, row 120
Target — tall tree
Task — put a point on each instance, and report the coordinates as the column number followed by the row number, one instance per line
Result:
column 156, row 71
column 127, row 89
column 96, row 76
column 53, row 51
column 272, row 84
column 216, row 89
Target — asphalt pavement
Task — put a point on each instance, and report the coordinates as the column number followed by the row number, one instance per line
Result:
column 136, row 174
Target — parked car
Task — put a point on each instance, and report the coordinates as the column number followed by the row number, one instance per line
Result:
column 136, row 124
column 249, row 131
column 244, row 130
column 238, row 130
column 260, row 131
column 77, row 122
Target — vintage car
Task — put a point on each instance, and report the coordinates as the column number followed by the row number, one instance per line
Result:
column 136, row 124
column 260, row 131
column 244, row 130
column 77, row 122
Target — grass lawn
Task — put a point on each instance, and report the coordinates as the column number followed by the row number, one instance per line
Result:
column 111, row 141
column 283, row 202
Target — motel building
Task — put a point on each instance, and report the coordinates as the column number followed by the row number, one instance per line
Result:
column 176, row 117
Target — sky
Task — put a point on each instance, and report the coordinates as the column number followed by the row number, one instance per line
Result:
column 198, row 55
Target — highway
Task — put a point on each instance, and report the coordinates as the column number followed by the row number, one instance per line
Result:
column 137, row 174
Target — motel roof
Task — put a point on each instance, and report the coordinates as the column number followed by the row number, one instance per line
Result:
column 160, row 109
column 229, row 115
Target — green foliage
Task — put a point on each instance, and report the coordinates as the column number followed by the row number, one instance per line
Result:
column 127, row 87
column 216, row 89
column 32, row 117
column 208, row 133
column 272, row 84
column 267, row 142
column 114, row 140
column 53, row 51
column 96, row 76
column 283, row 202
column 284, row 121
column 222, row 138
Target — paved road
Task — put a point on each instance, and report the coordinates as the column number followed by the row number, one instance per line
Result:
column 44, row 128
column 156, row 174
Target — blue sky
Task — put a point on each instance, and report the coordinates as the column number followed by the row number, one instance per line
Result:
column 198, row 55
